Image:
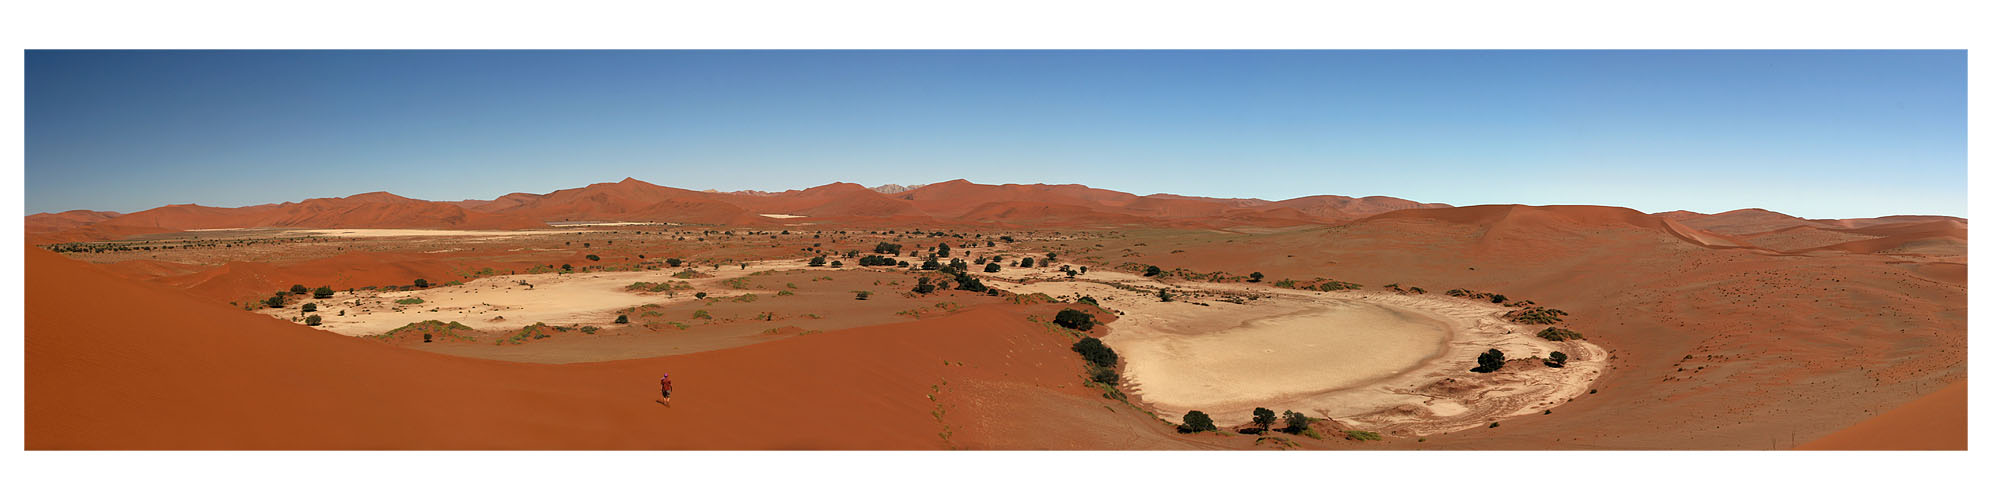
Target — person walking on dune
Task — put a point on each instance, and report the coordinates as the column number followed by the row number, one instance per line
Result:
column 665, row 386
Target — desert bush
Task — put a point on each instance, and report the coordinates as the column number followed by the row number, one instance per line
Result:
column 1151, row 271
column 1074, row 319
column 1490, row 361
column 836, row 263
column 1498, row 298
column 1296, row 422
column 1556, row 359
column 298, row 290
column 1096, row 352
column 1103, row 374
column 323, row 292
column 1196, row 421
column 1027, row 262
column 622, row 319
column 992, row 267
column 863, row 295
column 1165, row 295
column 1363, row 436
column 930, row 264
column 925, row 287
column 1088, row 300
column 275, row 301
column 313, row 320
column 817, row 262
column 594, row 257
column 421, row 283
column 311, row 308
column 673, row 262
column 884, row 247
column 1555, row 334
column 1256, row 276
column 701, row 314
column 409, row 301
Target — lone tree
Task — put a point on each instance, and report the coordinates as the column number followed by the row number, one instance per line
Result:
column 1095, row 352
column 1074, row 319
column 1196, row 421
column 1556, row 359
column 817, row 262
column 1296, row 422
column 1263, row 418
column 422, row 283
column 1490, row 361
column 298, row 290
column 323, row 292
column 1256, row 276
column 1151, row 271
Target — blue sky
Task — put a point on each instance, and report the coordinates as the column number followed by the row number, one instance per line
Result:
column 1822, row 134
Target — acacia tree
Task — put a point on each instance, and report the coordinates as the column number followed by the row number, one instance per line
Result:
column 1263, row 418
column 1256, row 276
column 323, row 292
column 1296, row 422
column 1196, row 421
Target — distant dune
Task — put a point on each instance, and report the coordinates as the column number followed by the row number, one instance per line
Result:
column 996, row 205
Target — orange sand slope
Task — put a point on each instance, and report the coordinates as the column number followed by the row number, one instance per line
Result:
column 171, row 371
column 1933, row 422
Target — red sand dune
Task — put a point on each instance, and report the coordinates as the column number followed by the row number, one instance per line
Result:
column 1934, row 422
column 1529, row 221
column 60, row 221
column 370, row 210
column 170, row 371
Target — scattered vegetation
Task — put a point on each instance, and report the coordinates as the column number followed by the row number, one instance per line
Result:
column 409, row 301
column 1362, row 436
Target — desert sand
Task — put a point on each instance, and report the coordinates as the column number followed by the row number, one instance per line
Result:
column 1750, row 330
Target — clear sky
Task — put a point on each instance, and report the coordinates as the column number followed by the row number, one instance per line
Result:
column 1821, row 134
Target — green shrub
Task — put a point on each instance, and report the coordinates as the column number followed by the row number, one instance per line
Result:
column 1196, row 421
column 1558, row 334
column 816, row 262
column 863, row 295
column 1074, row 319
column 1490, row 361
column 313, row 320
column 992, row 267
column 674, row 261
column 1087, row 300
column 622, row 319
column 311, row 308
column 275, row 301
column 323, row 292
column 409, row 301
column 1096, row 352
column 1151, row 271
column 298, row 290
column 1363, row 436
column 701, row 314
column 421, row 283
column 1256, row 276
column 1104, row 375
column 594, row 257
column 1556, row 359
